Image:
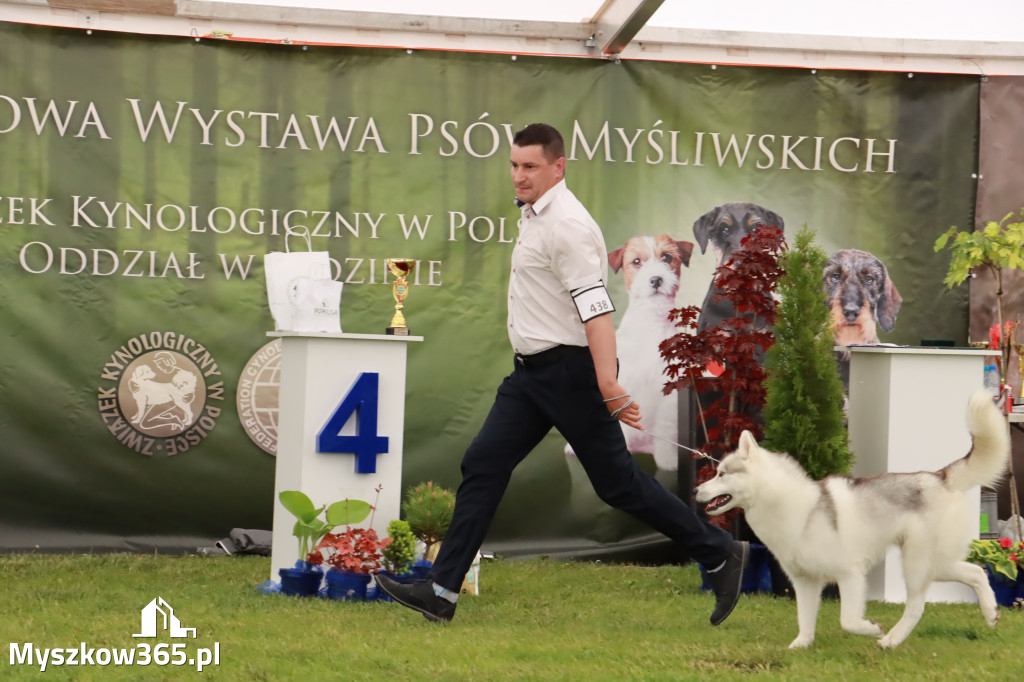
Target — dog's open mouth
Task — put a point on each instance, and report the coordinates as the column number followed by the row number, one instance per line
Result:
column 717, row 503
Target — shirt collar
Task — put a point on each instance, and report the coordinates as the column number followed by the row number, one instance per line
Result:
column 545, row 198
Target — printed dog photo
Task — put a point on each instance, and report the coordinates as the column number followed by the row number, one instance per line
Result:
column 651, row 268
column 723, row 228
column 862, row 298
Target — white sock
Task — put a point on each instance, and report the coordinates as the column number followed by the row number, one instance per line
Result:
column 717, row 568
column 446, row 594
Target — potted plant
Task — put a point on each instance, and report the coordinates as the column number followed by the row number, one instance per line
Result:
column 399, row 553
column 352, row 557
column 994, row 248
column 309, row 529
column 803, row 411
column 428, row 510
column 1003, row 560
column 730, row 397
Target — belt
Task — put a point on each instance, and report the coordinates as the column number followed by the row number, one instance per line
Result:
column 549, row 356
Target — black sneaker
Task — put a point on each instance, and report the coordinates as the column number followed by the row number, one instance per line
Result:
column 727, row 582
column 419, row 596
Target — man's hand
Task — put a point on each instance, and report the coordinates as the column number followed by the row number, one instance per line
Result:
column 629, row 409
column 601, row 339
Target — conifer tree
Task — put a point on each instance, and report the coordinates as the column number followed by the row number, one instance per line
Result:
column 803, row 412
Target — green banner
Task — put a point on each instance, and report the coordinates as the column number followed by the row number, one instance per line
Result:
column 142, row 180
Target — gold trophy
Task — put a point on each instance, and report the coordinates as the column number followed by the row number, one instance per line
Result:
column 400, row 268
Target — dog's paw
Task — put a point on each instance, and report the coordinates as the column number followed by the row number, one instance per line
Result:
column 873, row 629
column 889, row 642
column 801, row 642
column 992, row 619
column 569, row 452
column 867, row 628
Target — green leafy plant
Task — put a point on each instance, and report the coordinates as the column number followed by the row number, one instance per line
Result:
column 400, row 552
column 1002, row 555
column 309, row 528
column 731, row 402
column 428, row 510
column 803, row 412
column 996, row 247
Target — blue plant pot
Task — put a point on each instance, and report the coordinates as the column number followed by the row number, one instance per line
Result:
column 1006, row 590
column 346, row 586
column 300, row 582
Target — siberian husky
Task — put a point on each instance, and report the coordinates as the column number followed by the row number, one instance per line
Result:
column 836, row 529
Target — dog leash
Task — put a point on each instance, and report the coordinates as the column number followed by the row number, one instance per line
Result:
column 678, row 445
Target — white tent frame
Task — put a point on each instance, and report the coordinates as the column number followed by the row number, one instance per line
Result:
column 617, row 31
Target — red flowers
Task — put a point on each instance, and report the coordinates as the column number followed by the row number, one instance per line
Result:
column 357, row 550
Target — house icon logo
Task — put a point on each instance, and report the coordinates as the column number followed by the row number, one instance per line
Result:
column 158, row 607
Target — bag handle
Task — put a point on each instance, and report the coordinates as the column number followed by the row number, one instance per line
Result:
column 304, row 233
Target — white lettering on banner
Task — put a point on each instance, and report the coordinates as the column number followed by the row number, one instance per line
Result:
column 15, row 211
column 364, row 271
column 785, row 152
column 39, row 257
column 91, row 211
column 50, row 117
column 266, row 129
column 480, row 139
column 177, row 122
column 479, row 229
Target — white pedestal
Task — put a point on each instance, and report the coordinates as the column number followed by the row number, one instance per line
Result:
column 907, row 412
column 317, row 372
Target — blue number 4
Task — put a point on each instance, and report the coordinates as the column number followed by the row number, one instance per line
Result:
column 360, row 400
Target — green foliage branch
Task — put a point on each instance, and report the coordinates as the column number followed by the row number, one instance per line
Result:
column 401, row 551
column 803, row 412
column 309, row 528
column 428, row 510
column 997, row 246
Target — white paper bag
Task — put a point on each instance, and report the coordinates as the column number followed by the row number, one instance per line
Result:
column 283, row 271
column 317, row 306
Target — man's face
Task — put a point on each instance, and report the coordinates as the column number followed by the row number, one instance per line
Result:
column 533, row 174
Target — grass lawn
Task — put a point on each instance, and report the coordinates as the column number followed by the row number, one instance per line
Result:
column 534, row 620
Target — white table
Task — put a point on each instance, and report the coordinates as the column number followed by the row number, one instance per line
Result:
column 318, row 372
column 907, row 412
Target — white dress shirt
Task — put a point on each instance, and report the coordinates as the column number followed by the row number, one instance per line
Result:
column 560, row 249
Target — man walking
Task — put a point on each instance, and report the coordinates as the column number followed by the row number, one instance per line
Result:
column 564, row 376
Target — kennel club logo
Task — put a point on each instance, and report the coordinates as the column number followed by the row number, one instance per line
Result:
column 257, row 396
column 158, row 393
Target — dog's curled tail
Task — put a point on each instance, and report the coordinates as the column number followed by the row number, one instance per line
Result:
column 985, row 464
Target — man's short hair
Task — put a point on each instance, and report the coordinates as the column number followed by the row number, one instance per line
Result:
column 545, row 135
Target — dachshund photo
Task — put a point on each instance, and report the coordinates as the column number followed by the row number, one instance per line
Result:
column 860, row 295
column 724, row 227
column 862, row 298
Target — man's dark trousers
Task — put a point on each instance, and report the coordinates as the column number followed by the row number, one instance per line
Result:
column 558, row 389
